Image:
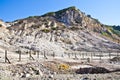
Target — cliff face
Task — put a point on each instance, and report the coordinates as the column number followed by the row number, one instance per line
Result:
column 67, row 30
column 74, row 17
column 3, row 30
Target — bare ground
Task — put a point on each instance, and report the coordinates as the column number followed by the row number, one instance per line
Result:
column 48, row 69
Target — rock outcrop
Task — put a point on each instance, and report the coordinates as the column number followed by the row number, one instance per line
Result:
column 67, row 30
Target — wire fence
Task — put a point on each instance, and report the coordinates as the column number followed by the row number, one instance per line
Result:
column 35, row 55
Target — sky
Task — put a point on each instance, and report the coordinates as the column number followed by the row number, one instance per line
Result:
column 106, row 11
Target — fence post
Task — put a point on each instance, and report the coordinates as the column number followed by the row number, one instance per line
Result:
column 100, row 56
column 80, row 55
column 6, row 58
column 19, row 55
column 76, row 56
column 45, row 55
column 109, row 55
column 68, row 55
column 53, row 55
column 94, row 54
column 37, row 54
column 91, row 55
column 117, row 55
column 83, row 56
column 30, row 56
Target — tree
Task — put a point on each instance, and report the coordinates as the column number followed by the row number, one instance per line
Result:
column 89, row 15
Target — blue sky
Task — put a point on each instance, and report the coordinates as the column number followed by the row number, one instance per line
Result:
column 106, row 11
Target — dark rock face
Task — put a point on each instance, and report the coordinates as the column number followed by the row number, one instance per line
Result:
column 115, row 59
column 92, row 70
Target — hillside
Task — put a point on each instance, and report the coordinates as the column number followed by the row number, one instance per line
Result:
column 68, row 30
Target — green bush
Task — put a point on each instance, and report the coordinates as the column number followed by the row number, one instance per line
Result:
column 113, row 30
column 89, row 16
column 49, row 14
column 54, row 28
column 117, row 32
column 46, row 30
column 74, row 28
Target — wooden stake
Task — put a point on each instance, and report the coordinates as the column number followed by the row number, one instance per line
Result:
column 109, row 55
column 100, row 55
column 91, row 55
column 37, row 54
column 6, row 59
column 30, row 56
column 45, row 55
column 19, row 55
column 5, row 56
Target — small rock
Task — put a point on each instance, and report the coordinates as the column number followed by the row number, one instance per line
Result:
column 36, row 72
column 28, row 75
column 86, row 78
column 40, row 72
column 22, row 75
column 50, row 76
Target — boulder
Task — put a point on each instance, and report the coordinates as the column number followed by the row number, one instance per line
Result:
column 92, row 70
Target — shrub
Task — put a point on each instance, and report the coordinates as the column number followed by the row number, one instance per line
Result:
column 67, row 41
column 54, row 28
column 63, row 67
column 49, row 14
column 89, row 16
column 117, row 32
column 46, row 30
column 97, row 20
column 74, row 28
column 32, row 16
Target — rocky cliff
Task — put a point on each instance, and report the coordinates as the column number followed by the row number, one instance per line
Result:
column 67, row 30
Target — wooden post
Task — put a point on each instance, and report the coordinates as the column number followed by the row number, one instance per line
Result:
column 68, row 55
column 86, row 54
column 37, row 54
column 82, row 55
column 45, row 55
column 109, row 55
column 30, row 56
column 6, row 58
column 88, row 60
column 117, row 55
column 100, row 56
column 53, row 54
column 62, row 55
column 91, row 55
column 75, row 56
column 19, row 55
